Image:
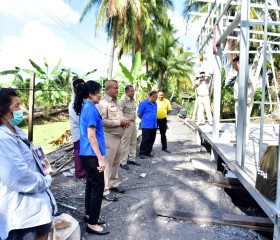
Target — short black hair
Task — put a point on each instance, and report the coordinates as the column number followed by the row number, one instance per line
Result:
column 128, row 87
column 6, row 95
column 152, row 93
column 236, row 59
column 161, row 91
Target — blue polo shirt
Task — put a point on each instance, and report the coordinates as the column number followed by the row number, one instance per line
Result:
column 148, row 111
column 91, row 117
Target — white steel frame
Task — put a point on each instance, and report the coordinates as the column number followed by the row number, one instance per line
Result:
column 242, row 20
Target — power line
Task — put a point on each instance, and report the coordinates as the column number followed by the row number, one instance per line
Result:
column 69, row 29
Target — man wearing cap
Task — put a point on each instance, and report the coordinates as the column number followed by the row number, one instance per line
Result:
column 250, row 98
column 129, row 138
column 114, row 124
column 203, row 99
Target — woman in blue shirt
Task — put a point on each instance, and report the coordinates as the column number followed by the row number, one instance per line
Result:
column 92, row 150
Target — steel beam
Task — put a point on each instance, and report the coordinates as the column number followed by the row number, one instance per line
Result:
column 229, row 30
column 242, row 82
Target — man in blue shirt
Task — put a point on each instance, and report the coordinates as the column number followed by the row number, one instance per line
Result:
column 147, row 112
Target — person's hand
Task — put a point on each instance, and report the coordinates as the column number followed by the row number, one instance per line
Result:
column 102, row 164
column 125, row 123
column 249, row 100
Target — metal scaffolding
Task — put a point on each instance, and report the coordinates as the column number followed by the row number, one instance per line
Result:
column 248, row 23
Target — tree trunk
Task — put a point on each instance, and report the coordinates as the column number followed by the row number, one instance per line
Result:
column 111, row 63
column 137, row 43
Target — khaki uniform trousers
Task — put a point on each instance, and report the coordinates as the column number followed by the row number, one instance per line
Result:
column 203, row 103
column 129, row 142
column 248, row 116
column 112, row 158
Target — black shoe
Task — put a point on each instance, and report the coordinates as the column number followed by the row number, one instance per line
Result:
column 149, row 155
column 103, row 232
column 124, row 166
column 117, row 190
column 100, row 222
column 134, row 163
column 165, row 150
column 142, row 156
column 110, row 197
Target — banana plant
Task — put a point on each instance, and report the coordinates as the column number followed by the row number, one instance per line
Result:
column 140, row 82
column 19, row 82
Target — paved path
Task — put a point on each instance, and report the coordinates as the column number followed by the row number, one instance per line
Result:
column 171, row 183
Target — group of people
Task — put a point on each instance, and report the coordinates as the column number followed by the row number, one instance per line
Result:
column 107, row 139
column 104, row 136
column 202, row 86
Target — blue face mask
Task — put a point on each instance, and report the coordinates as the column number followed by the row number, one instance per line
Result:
column 18, row 117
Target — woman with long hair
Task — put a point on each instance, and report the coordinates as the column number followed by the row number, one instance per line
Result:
column 92, row 150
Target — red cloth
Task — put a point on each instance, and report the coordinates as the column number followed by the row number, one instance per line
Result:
column 79, row 170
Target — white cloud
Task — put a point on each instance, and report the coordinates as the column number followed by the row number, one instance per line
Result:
column 37, row 41
column 24, row 10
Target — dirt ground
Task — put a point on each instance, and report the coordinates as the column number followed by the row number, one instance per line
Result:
column 171, row 183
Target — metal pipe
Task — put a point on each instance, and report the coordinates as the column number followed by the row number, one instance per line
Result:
column 243, row 83
column 263, row 83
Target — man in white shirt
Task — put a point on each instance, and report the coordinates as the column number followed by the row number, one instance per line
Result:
column 251, row 88
column 203, row 99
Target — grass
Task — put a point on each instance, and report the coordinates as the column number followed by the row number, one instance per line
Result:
column 47, row 132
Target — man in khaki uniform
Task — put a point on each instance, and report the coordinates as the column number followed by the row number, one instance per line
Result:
column 203, row 99
column 129, row 138
column 114, row 124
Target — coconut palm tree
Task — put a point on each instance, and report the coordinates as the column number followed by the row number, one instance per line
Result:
column 139, row 34
column 171, row 64
column 112, row 12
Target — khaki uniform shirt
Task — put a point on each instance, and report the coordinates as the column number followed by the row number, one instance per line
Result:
column 128, row 107
column 111, row 115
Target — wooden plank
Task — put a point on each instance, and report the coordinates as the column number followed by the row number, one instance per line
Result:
column 227, row 186
column 204, row 164
column 247, row 220
column 200, row 219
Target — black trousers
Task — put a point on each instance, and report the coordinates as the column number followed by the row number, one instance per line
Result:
column 30, row 233
column 94, row 188
column 162, row 125
column 148, row 139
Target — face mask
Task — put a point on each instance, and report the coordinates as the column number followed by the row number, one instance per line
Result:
column 18, row 117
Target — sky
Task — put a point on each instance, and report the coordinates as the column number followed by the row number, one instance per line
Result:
column 38, row 29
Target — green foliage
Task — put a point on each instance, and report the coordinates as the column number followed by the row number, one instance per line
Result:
column 52, row 86
column 140, row 81
column 227, row 99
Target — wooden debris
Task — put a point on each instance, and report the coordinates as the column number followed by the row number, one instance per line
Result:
column 67, row 206
column 60, row 171
column 227, row 186
column 56, row 159
column 247, row 220
column 63, row 165
column 65, row 137
column 190, row 217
